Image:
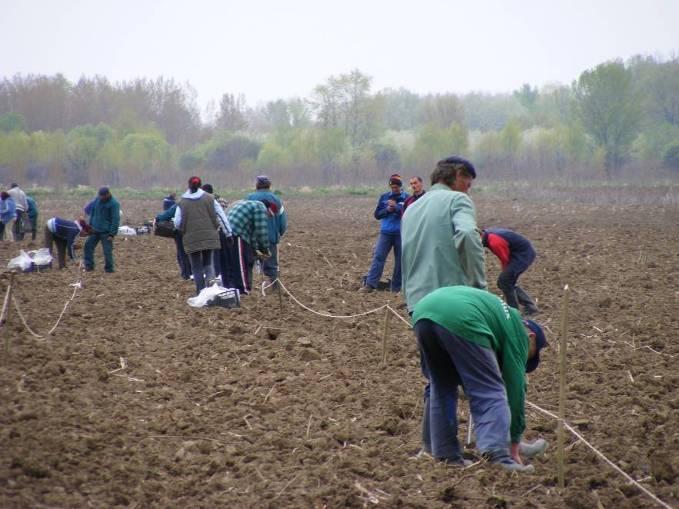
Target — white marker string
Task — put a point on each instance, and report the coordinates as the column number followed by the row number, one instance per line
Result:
column 601, row 455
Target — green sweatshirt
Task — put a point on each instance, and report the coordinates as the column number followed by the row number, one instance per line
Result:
column 484, row 319
column 441, row 245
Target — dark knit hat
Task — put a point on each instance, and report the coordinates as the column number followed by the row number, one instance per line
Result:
column 262, row 181
column 395, row 179
column 104, row 191
column 208, row 188
column 456, row 160
column 540, row 343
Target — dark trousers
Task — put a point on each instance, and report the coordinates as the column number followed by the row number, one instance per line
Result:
column 237, row 263
column 182, row 258
column 385, row 242
column 270, row 265
column 19, row 225
column 451, row 361
column 62, row 246
column 507, row 282
column 34, row 227
column 202, row 268
column 107, row 246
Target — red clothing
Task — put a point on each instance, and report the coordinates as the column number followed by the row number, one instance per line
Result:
column 499, row 247
column 410, row 200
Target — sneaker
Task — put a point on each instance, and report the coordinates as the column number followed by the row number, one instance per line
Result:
column 530, row 450
column 366, row 289
column 513, row 466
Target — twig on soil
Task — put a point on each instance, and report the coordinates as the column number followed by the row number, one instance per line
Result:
column 130, row 378
column 631, row 378
column 286, row 485
column 260, row 474
column 531, row 490
column 308, row 426
column 123, row 365
column 269, row 393
column 245, row 418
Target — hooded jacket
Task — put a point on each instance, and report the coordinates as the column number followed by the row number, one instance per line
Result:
column 278, row 220
column 8, row 210
column 65, row 230
column 196, row 219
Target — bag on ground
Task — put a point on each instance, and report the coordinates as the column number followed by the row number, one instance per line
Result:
column 164, row 229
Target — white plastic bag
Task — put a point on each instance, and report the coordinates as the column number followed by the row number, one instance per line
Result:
column 127, row 231
column 22, row 262
column 41, row 257
column 205, row 296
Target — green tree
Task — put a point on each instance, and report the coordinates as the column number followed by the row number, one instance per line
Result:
column 609, row 109
column 231, row 116
column 12, row 122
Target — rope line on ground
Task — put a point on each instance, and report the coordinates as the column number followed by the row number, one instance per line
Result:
column 533, row 405
column 76, row 286
column 601, row 455
column 329, row 315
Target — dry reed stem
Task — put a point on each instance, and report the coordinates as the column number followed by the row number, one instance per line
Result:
column 308, row 426
column 561, row 454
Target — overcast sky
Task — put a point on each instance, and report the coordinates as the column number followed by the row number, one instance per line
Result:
column 269, row 49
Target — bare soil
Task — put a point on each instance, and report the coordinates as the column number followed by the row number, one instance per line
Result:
column 271, row 407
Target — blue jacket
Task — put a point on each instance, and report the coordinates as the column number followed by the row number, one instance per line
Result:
column 167, row 214
column 278, row 222
column 65, row 230
column 168, row 201
column 105, row 216
column 391, row 221
column 8, row 210
column 32, row 208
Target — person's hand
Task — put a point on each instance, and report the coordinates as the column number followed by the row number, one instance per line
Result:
column 391, row 203
column 514, row 452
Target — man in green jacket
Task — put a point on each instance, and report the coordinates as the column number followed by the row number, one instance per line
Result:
column 439, row 236
column 104, row 219
column 470, row 337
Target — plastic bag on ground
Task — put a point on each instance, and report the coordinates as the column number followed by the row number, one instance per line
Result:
column 215, row 295
column 41, row 257
column 127, row 231
column 22, row 262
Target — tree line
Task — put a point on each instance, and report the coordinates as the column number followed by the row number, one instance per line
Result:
column 616, row 117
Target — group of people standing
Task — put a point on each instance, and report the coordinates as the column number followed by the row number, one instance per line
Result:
column 220, row 243
column 466, row 335
column 18, row 214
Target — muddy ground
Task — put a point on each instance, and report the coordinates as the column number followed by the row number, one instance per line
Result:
column 263, row 407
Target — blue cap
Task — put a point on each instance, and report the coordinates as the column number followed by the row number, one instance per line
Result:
column 103, row 191
column 540, row 343
column 458, row 160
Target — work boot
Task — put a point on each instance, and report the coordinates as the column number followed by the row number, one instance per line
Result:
column 513, row 466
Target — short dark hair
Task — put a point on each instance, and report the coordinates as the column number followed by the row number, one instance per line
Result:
column 449, row 168
column 419, row 179
column 208, row 188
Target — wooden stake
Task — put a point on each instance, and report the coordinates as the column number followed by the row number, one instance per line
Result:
column 4, row 316
column 560, row 431
column 387, row 315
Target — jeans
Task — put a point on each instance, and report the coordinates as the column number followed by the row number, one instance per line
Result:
column 107, row 246
column 202, row 268
column 270, row 265
column 182, row 257
column 507, row 282
column 385, row 242
column 452, row 361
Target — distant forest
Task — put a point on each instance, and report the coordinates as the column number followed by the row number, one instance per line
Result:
column 616, row 120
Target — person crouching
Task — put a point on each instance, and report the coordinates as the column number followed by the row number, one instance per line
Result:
column 64, row 233
column 472, row 338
